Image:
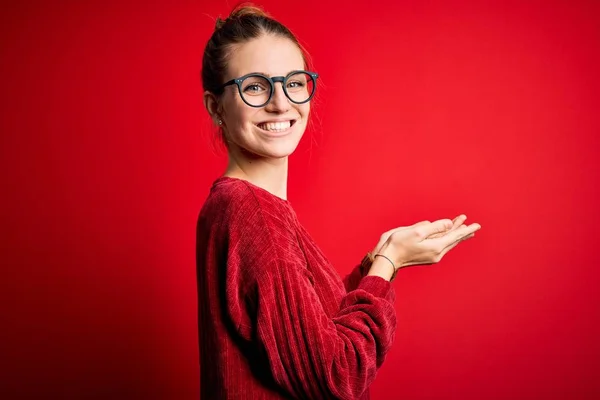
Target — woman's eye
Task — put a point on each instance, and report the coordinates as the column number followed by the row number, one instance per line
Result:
column 253, row 88
column 295, row 84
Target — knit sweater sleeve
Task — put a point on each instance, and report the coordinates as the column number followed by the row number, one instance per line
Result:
column 275, row 307
column 352, row 280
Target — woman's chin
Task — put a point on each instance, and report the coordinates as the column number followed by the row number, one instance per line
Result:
column 272, row 150
column 278, row 151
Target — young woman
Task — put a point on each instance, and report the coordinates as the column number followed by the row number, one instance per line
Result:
column 275, row 318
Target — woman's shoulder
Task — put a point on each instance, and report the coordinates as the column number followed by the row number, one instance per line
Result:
column 243, row 200
column 253, row 221
column 236, row 190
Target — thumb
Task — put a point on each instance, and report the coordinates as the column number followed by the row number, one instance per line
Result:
column 439, row 226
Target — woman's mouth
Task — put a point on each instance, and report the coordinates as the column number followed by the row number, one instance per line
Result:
column 276, row 127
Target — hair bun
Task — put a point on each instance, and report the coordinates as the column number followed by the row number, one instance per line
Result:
column 248, row 10
column 241, row 11
column 220, row 22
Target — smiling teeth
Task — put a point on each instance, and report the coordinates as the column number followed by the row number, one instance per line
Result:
column 275, row 126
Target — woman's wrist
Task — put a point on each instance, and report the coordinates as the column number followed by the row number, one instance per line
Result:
column 382, row 265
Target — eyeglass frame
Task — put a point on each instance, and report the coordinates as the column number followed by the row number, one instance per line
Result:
column 272, row 80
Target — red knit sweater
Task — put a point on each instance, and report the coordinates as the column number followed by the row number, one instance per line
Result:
column 275, row 318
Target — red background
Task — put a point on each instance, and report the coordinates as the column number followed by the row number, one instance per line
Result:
column 426, row 110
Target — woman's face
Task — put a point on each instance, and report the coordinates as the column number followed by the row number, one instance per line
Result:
column 272, row 131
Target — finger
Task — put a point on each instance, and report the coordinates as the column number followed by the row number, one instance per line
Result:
column 435, row 235
column 462, row 232
column 454, row 244
column 445, row 241
column 458, row 221
column 400, row 228
column 439, row 226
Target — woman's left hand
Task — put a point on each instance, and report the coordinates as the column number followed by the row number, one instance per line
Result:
column 456, row 223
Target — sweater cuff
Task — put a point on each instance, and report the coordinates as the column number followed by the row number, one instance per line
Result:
column 375, row 285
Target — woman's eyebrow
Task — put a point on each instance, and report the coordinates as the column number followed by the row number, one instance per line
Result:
column 269, row 75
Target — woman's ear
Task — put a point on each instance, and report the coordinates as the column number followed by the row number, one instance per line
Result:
column 212, row 106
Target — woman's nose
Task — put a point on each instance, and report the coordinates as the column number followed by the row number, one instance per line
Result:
column 279, row 102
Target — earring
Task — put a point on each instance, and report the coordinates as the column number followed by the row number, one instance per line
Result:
column 220, row 122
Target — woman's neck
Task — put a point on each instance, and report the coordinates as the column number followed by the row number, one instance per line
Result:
column 269, row 174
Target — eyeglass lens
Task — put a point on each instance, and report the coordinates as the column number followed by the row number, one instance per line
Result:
column 256, row 89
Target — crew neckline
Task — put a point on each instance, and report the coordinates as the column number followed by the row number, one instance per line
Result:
column 222, row 179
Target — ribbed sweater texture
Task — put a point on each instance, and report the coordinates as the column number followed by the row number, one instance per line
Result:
column 276, row 320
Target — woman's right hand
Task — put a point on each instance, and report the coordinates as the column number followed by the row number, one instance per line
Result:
column 426, row 242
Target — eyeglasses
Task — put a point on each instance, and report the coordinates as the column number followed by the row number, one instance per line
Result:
column 256, row 89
